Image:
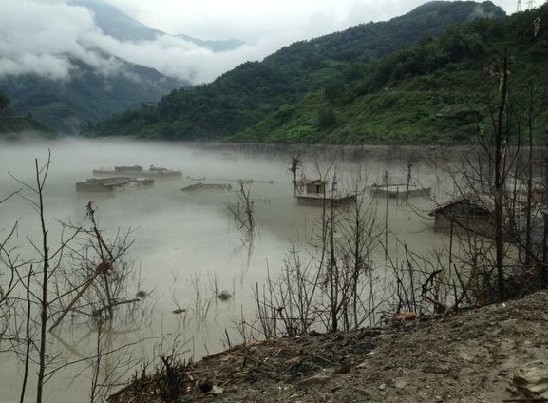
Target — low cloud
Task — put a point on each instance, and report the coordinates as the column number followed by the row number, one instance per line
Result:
column 42, row 38
column 180, row 59
column 46, row 38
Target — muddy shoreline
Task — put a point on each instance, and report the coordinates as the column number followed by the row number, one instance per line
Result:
column 479, row 355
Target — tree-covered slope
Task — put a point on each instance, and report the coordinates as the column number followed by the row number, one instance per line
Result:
column 437, row 90
column 11, row 124
column 90, row 94
column 249, row 93
column 311, row 63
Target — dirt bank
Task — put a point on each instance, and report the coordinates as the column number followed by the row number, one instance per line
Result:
column 493, row 354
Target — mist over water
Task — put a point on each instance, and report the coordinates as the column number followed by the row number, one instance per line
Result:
column 184, row 241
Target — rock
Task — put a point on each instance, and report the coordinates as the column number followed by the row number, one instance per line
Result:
column 345, row 368
column 361, row 391
column 532, row 379
column 437, row 368
column 205, row 385
column 509, row 325
column 224, row 295
column 400, row 383
column 382, row 386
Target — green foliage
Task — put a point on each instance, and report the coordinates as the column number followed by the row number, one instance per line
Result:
column 437, row 90
column 4, row 104
column 11, row 125
column 250, row 93
column 333, row 91
column 326, row 118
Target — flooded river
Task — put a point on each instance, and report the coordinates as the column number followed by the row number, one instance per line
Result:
column 186, row 247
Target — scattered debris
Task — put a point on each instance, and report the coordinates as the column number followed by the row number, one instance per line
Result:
column 403, row 317
column 317, row 379
column 224, row 295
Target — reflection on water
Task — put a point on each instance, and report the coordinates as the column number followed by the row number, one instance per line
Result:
column 187, row 249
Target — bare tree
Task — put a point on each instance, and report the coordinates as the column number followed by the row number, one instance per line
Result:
column 296, row 165
column 329, row 287
column 84, row 274
column 243, row 212
column 359, row 236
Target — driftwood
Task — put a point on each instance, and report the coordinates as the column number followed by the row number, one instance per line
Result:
column 101, row 268
column 439, row 307
column 106, row 265
column 98, row 312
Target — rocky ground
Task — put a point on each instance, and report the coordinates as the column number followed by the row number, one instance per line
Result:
column 497, row 353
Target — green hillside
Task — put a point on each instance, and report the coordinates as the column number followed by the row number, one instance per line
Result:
column 11, row 124
column 434, row 91
column 250, row 93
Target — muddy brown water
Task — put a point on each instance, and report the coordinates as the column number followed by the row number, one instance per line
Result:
column 185, row 242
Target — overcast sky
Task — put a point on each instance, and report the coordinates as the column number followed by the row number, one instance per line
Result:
column 253, row 19
column 37, row 35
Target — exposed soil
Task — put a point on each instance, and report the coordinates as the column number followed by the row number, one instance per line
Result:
column 493, row 354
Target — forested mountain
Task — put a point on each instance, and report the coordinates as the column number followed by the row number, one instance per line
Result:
column 438, row 90
column 247, row 94
column 317, row 61
column 90, row 94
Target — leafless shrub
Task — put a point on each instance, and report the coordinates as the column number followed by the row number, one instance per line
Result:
column 296, row 166
column 243, row 212
column 328, row 289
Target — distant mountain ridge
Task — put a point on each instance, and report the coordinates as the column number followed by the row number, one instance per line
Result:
column 217, row 46
column 119, row 25
column 116, row 23
column 89, row 96
column 244, row 96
